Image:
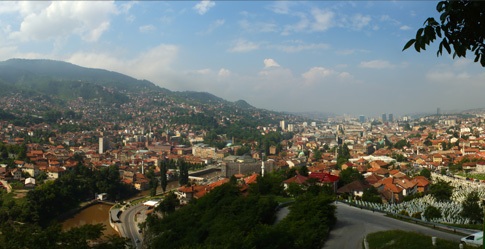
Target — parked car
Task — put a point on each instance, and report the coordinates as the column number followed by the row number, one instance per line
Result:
column 475, row 239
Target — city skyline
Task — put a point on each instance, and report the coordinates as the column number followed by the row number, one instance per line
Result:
column 297, row 56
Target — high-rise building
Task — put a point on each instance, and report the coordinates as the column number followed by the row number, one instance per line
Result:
column 314, row 124
column 362, row 118
column 391, row 117
column 384, row 117
column 102, row 145
column 438, row 111
column 282, row 125
column 291, row 127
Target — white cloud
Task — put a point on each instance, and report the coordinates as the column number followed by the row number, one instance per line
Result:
column 258, row 27
column 405, row 27
column 224, row 73
column 204, row 71
column 203, row 6
column 153, row 64
column 270, row 63
column 459, row 73
column 323, row 19
column 213, row 26
column 10, row 6
column 302, row 25
column 126, row 7
column 241, row 46
column 377, row 64
column 301, row 47
column 147, row 28
column 317, row 73
column 272, row 77
column 57, row 20
column 351, row 51
column 359, row 21
column 281, row 7
column 345, row 75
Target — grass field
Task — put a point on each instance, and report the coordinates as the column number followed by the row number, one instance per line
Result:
column 396, row 239
column 473, row 175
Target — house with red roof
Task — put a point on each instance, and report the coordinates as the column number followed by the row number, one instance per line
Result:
column 422, row 184
column 298, row 179
column 355, row 188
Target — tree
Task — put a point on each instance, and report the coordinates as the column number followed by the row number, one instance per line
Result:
column 163, row 173
column 461, row 28
column 168, row 205
column 471, row 209
column 183, row 173
column 343, row 154
column 153, row 182
column 303, row 170
column 371, row 195
column 349, row 175
column 426, row 173
column 317, row 154
column 295, row 189
column 401, row 143
column 441, row 190
column 427, row 142
column 432, row 212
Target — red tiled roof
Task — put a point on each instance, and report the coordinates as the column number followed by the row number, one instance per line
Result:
column 324, row 177
column 299, row 179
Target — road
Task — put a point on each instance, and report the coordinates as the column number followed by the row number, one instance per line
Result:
column 129, row 220
column 353, row 224
column 136, row 214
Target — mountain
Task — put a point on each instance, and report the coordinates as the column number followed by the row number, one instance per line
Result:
column 243, row 104
column 25, row 73
column 47, row 90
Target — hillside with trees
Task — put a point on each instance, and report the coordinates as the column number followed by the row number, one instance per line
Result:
column 227, row 218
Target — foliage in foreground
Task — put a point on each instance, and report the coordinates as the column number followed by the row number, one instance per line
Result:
column 396, row 239
column 225, row 218
column 17, row 235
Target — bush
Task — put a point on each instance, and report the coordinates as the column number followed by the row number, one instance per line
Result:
column 432, row 212
column 416, row 215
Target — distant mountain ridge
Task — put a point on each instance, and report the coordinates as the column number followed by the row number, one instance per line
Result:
column 23, row 72
column 67, row 81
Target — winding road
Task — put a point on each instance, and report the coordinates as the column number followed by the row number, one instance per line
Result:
column 130, row 229
column 353, row 224
column 133, row 215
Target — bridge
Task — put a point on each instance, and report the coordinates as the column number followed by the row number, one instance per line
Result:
column 207, row 170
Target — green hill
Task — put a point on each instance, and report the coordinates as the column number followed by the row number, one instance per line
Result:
column 25, row 73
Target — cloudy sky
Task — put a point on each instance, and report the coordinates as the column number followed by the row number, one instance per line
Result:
column 331, row 56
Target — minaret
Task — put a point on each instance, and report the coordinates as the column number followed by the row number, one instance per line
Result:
column 262, row 164
column 142, row 165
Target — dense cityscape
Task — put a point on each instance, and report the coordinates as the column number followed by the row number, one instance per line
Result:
column 161, row 153
column 242, row 124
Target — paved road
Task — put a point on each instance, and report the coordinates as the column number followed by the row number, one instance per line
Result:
column 129, row 229
column 354, row 223
column 137, row 214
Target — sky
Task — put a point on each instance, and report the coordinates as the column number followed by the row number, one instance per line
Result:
column 343, row 57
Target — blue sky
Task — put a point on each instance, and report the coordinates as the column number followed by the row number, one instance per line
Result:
column 331, row 56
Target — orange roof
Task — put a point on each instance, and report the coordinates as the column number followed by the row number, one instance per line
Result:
column 421, row 181
column 299, row 179
column 251, row 179
column 389, row 185
column 218, row 183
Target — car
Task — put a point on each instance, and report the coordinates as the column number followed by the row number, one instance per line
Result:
column 475, row 239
